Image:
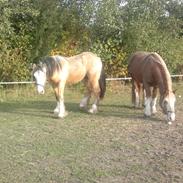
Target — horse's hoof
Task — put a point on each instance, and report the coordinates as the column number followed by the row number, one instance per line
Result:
column 63, row 115
column 146, row 116
column 92, row 111
column 169, row 122
column 153, row 112
column 55, row 111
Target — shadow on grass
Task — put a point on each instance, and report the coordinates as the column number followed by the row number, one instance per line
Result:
column 37, row 108
column 122, row 106
column 127, row 112
column 45, row 109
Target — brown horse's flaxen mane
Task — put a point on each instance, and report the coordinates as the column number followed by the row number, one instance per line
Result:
column 166, row 75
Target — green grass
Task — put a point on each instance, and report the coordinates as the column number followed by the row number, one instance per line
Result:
column 116, row 145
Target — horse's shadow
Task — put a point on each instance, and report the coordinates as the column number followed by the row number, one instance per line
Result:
column 127, row 112
column 36, row 108
column 45, row 109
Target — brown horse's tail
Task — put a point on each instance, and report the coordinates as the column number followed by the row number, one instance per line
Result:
column 102, row 83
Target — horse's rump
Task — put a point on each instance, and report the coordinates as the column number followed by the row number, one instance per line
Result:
column 148, row 67
column 82, row 65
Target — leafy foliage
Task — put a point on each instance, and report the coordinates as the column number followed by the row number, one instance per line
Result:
column 13, row 66
column 113, row 29
column 113, row 56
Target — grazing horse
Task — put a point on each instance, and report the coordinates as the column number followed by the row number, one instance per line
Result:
column 60, row 70
column 149, row 71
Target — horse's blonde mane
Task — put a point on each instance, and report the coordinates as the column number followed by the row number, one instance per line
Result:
column 167, row 76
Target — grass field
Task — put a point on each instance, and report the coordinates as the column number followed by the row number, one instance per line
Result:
column 117, row 145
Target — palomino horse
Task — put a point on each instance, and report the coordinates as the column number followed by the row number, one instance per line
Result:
column 60, row 70
column 148, row 70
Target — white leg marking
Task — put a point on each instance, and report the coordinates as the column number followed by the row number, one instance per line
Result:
column 56, row 110
column 144, row 97
column 93, row 109
column 147, row 110
column 137, row 99
column 62, row 112
column 84, row 102
column 153, row 105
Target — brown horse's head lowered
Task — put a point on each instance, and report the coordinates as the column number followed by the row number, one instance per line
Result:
column 148, row 70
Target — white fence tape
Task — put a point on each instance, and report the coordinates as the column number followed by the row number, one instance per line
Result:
column 108, row 79
column 16, row 82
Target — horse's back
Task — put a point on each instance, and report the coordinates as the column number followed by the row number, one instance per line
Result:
column 136, row 65
column 147, row 66
column 137, row 59
column 86, row 63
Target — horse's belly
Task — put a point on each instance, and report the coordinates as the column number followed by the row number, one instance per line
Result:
column 137, row 77
column 75, row 77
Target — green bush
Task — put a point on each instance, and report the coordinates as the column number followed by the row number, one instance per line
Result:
column 113, row 56
column 13, row 66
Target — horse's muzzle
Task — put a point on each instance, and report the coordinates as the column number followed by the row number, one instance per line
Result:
column 40, row 90
column 171, row 116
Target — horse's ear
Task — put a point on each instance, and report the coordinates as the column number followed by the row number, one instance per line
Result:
column 40, row 64
column 33, row 66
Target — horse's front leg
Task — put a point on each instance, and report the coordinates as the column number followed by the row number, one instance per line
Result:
column 56, row 110
column 154, row 99
column 147, row 109
column 148, row 102
column 94, row 107
column 136, row 88
column 60, row 108
column 96, row 92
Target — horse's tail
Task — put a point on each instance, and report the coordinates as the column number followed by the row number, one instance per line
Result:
column 102, row 83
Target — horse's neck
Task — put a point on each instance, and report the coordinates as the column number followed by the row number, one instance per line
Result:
column 165, row 84
column 163, row 89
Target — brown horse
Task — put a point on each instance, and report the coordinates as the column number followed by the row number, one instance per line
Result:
column 149, row 71
column 60, row 70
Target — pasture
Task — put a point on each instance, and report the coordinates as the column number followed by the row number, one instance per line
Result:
column 117, row 145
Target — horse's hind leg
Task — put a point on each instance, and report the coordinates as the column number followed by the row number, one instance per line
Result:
column 85, row 100
column 148, row 101
column 154, row 99
column 94, row 108
column 96, row 93
column 136, row 88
